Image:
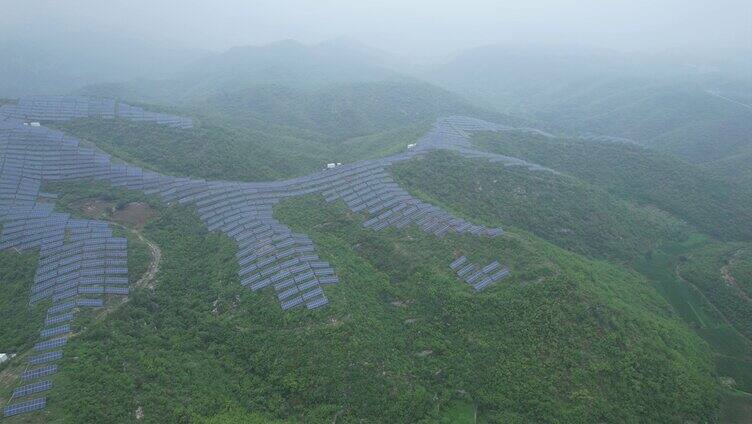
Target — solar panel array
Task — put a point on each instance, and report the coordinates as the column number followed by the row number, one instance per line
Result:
column 478, row 276
column 62, row 108
column 270, row 254
column 76, row 256
column 80, row 260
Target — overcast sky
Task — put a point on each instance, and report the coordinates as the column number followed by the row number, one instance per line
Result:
column 407, row 27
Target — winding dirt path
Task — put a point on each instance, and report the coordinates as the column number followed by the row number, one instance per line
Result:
column 147, row 280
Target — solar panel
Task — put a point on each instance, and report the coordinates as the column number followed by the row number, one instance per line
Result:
column 32, row 388
column 39, row 372
column 54, row 331
column 51, row 344
column 91, row 303
column 501, row 274
column 457, row 262
column 23, row 407
column 490, row 267
column 46, row 357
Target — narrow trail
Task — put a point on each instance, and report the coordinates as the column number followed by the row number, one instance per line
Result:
column 147, row 280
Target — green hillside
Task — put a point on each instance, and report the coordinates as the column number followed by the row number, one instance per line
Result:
column 712, row 205
column 565, row 339
column 686, row 271
column 561, row 209
column 734, row 168
column 273, row 131
column 723, row 273
column 20, row 322
column 211, row 150
column 340, row 111
column 285, row 63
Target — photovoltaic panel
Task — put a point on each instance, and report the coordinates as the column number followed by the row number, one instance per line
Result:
column 23, row 407
column 51, row 344
column 32, row 388
column 39, row 372
column 46, row 357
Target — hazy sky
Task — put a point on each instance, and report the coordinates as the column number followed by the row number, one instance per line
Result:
column 417, row 27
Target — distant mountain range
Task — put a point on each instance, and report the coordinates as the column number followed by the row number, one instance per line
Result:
column 696, row 109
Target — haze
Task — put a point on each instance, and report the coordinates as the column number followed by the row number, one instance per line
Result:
column 416, row 29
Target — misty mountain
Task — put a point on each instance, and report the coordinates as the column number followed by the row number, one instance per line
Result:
column 61, row 61
column 666, row 103
column 286, row 63
column 343, row 110
column 329, row 91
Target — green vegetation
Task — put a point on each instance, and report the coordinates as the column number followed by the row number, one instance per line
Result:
column 544, row 204
column 664, row 267
column 20, row 322
column 274, row 132
column 712, row 270
column 208, row 151
column 340, row 111
column 631, row 172
column 558, row 208
column 733, row 168
column 564, row 339
column 737, row 408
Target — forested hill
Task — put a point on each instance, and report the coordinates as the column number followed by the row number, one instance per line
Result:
column 661, row 102
column 711, row 204
column 316, row 110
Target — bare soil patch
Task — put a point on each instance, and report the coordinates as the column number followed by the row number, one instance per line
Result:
column 134, row 215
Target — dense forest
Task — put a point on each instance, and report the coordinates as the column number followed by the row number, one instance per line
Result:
column 710, row 204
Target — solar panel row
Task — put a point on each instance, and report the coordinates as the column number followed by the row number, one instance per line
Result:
column 23, row 407
column 475, row 275
column 32, row 388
